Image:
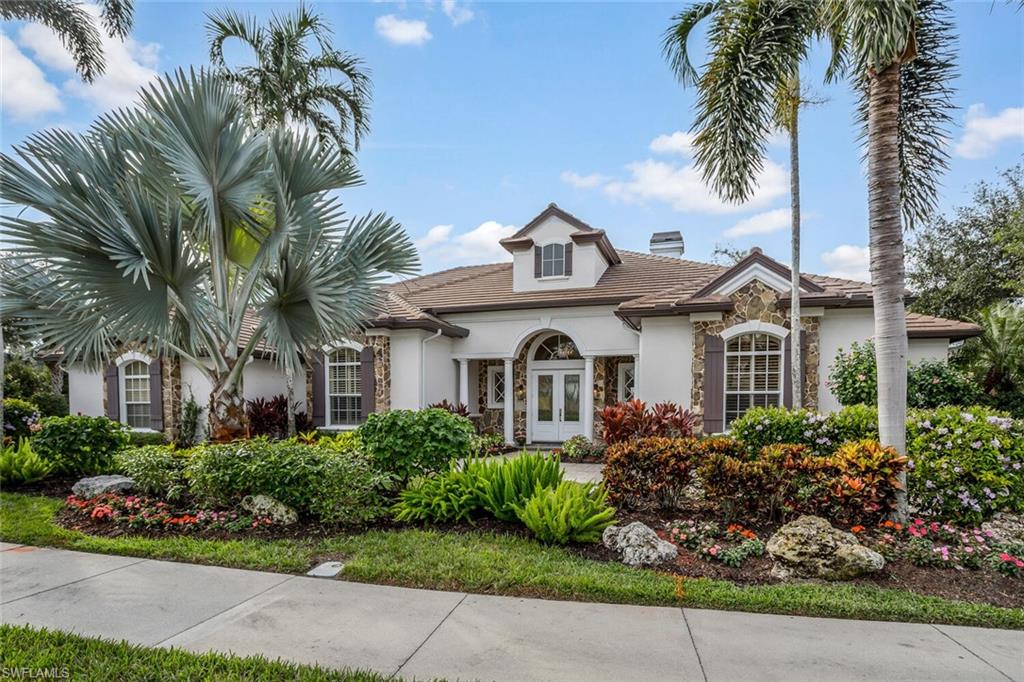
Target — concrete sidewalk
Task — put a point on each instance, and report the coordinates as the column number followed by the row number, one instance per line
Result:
column 427, row 634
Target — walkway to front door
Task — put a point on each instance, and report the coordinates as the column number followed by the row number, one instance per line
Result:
column 556, row 406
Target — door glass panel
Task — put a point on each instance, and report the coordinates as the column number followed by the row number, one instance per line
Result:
column 571, row 389
column 545, row 395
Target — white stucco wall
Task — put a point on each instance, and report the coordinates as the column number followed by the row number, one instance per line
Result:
column 666, row 360
column 263, row 379
column 406, row 377
column 587, row 262
column 441, row 371
column 85, row 391
column 500, row 334
column 928, row 349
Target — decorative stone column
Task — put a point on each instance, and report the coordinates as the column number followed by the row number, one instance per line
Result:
column 510, row 399
column 464, row 382
column 588, row 396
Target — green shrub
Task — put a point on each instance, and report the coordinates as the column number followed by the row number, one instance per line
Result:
column 333, row 486
column 934, row 383
column 138, row 439
column 854, row 422
column 654, row 471
column 506, row 484
column 760, row 427
column 344, row 442
column 188, row 428
column 158, row 470
column 580, row 447
column 853, row 377
column 20, row 418
column 966, row 463
column 570, row 512
column 405, row 443
column 33, row 383
column 80, row 446
column 20, row 464
column 488, row 445
column 452, row 495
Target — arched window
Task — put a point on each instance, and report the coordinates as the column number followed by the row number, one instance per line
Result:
column 136, row 391
column 753, row 373
column 557, row 347
column 552, row 259
column 344, row 393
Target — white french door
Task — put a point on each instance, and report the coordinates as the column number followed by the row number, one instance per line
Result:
column 556, row 404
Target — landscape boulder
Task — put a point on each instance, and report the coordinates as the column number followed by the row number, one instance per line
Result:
column 638, row 544
column 811, row 548
column 266, row 506
column 1006, row 528
column 94, row 486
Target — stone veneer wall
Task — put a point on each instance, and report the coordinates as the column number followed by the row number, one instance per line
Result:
column 492, row 419
column 755, row 301
column 381, row 345
column 171, row 386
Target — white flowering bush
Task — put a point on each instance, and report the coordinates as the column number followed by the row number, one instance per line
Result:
column 965, row 463
column 763, row 426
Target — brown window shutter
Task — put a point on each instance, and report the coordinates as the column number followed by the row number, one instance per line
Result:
column 367, row 382
column 156, row 395
column 537, row 261
column 319, row 408
column 714, row 384
column 568, row 259
column 112, row 379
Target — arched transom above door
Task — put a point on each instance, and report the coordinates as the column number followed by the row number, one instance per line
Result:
column 556, row 347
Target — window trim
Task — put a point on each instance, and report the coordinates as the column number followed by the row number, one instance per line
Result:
column 328, row 351
column 560, row 260
column 751, row 331
column 620, row 390
column 492, row 372
column 122, row 392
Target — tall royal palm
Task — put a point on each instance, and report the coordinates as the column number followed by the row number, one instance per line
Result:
column 897, row 53
column 178, row 228
column 75, row 26
column 788, row 100
column 290, row 84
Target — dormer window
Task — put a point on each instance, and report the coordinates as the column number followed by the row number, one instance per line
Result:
column 553, row 260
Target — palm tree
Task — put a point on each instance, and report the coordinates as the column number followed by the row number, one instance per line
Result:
column 897, row 52
column 289, row 84
column 178, row 228
column 75, row 26
column 998, row 354
column 786, row 117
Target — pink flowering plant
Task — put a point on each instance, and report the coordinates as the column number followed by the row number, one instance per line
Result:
column 706, row 538
column 143, row 513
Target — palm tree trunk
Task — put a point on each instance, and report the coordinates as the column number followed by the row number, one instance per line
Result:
column 290, row 384
column 796, row 375
column 887, row 267
column 227, row 409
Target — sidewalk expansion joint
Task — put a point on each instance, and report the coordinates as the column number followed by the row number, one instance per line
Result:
column 74, row 582
column 968, row 650
column 427, row 638
column 693, row 642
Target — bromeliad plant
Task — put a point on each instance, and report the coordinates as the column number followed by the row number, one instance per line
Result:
column 569, row 512
column 177, row 228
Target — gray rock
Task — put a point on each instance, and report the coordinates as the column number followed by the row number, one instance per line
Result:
column 98, row 485
column 267, row 506
column 1005, row 527
column 638, row 544
column 811, row 548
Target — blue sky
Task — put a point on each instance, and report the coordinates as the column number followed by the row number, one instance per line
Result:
column 485, row 112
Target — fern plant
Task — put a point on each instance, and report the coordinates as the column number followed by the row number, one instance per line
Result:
column 507, row 484
column 20, row 464
column 449, row 496
column 570, row 512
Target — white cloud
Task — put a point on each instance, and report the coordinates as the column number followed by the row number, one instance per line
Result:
column 676, row 143
column 982, row 133
column 479, row 245
column 402, row 31
column 583, row 181
column 683, row 188
column 849, row 262
column 762, row 223
column 434, row 236
column 459, row 14
column 129, row 64
column 24, row 90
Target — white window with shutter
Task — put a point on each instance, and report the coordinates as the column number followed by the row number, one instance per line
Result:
column 496, row 387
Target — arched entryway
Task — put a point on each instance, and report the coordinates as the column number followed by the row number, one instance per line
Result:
column 556, row 404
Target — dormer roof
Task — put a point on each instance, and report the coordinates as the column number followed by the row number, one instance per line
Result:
column 584, row 234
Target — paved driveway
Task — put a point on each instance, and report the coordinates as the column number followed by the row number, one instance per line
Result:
column 427, row 634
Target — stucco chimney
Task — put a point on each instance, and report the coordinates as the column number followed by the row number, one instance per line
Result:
column 667, row 244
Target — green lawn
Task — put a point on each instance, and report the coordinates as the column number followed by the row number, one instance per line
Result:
column 85, row 658
column 497, row 564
